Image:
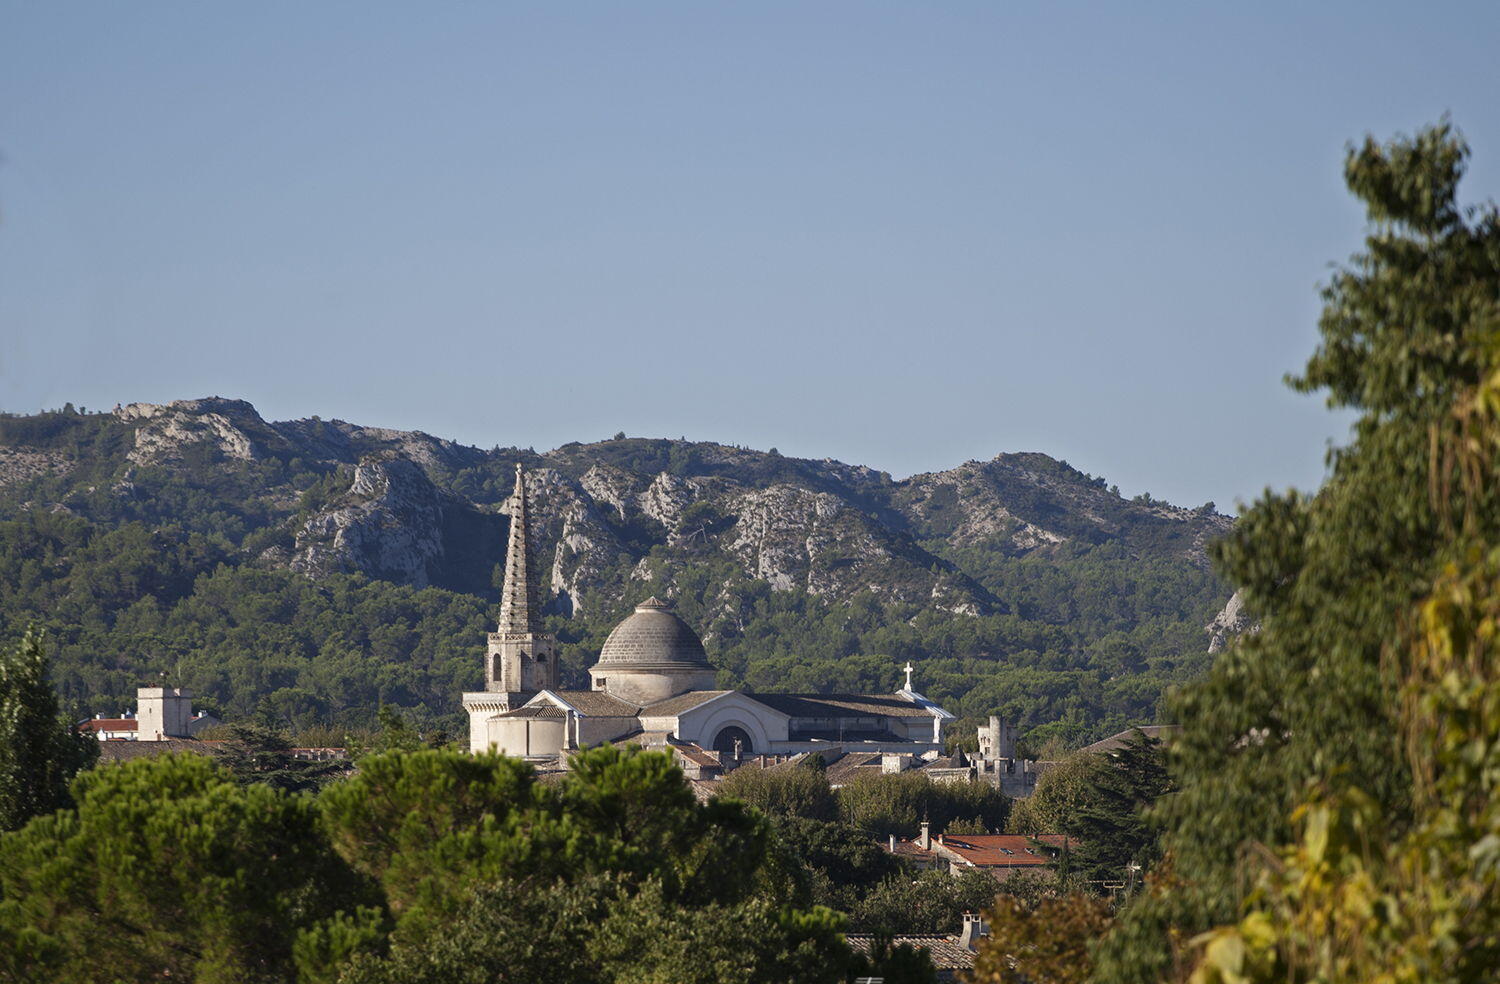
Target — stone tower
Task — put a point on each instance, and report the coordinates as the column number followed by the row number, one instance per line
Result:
column 521, row 658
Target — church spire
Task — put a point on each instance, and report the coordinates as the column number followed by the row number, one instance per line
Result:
column 520, row 609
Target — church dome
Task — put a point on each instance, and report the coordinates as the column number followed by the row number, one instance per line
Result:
column 651, row 636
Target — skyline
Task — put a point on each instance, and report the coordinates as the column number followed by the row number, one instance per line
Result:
column 894, row 237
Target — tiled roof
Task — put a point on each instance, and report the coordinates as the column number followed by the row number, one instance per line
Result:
column 1001, row 850
column 842, row 705
column 681, row 704
column 913, row 851
column 955, row 761
column 645, row 739
column 851, row 765
column 110, row 724
column 543, row 712
column 946, row 951
column 124, row 751
column 597, row 703
column 695, row 754
column 1160, row 732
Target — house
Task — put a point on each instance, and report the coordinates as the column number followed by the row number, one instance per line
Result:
column 1002, row 856
column 952, row 955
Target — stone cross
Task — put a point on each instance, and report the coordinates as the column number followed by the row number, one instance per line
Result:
column 908, row 668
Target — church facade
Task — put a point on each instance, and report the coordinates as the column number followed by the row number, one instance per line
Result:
column 653, row 684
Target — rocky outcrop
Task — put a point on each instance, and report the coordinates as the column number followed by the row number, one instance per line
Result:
column 421, row 510
column 1026, row 502
column 388, row 525
column 163, row 432
column 18, row 465
column 1230, row 622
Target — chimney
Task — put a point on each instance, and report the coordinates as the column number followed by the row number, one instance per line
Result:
column 974, row 929
column 924, row 839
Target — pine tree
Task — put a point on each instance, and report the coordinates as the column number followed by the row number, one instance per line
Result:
column 40, row 751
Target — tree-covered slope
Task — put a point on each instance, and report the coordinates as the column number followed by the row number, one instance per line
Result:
column 312, row 569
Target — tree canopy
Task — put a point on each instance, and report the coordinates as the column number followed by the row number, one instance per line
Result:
column 1320, row 699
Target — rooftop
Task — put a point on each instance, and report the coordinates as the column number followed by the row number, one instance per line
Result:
column 1156, row 732
column 842, row 705
column 1002, row 850
column 946, row 951
column 597, row 703
column 681, row 704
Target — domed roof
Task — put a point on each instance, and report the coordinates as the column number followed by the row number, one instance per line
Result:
column 651, row 636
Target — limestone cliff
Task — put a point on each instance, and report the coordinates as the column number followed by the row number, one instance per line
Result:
column 1230, row 622
column 387, row 525
column 325, row 496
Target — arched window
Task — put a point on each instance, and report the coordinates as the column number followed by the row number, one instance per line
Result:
column 733, row 740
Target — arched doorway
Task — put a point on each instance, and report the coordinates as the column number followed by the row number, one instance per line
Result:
column 727, row 738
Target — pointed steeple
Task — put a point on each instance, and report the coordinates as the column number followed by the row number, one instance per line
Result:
column 520, row 609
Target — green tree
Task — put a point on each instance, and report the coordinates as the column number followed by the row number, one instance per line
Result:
column 1045, row 943
column 432, row 826
column 838, row 863
column 925, row 902
column 1060, row 794
column 646, row 940
column 897, row 803
column 796, row 791
column 1408, row 331
column 40, row 751
column 1110, row 824
column 509, row 932
column 255, row 753
column 169, row 869
column 894, row 963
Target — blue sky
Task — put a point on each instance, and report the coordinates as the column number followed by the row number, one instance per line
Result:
column 903, row 235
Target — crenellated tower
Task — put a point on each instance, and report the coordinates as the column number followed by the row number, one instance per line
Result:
column 521, row 657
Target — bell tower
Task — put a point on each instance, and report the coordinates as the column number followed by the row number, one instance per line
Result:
column 521, row 657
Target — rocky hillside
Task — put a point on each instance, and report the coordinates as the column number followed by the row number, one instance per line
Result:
column 715, row 526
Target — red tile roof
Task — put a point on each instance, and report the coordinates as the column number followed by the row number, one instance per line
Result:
column 1002, row 850
column 110, row 724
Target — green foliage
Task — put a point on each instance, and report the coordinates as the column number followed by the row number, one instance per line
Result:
column 39, row 750
column 1111, row 825
column 430, row 826
column 836, row 862
column 1047, row 943
column 646, row 941
column 430, row 865
column 251, row 753
column 895, row 963
column 1408, row 330
column 168, row 869
column 796, row 791
column 898, row 802
column 926, row 902
column 1101, row 800
column 508, row 931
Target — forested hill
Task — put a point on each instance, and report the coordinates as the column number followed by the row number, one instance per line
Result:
column 309, row 570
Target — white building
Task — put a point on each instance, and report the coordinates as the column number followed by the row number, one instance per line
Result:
column 654, row 680
column 161, row 713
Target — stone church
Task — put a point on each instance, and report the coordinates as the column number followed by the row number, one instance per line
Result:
column 654, row 684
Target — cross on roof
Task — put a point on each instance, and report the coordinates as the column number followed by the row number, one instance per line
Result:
column 908, row 668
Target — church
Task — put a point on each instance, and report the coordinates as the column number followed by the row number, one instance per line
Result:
column 653, row 684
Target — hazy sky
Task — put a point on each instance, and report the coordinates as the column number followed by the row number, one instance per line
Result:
column 899, row 234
